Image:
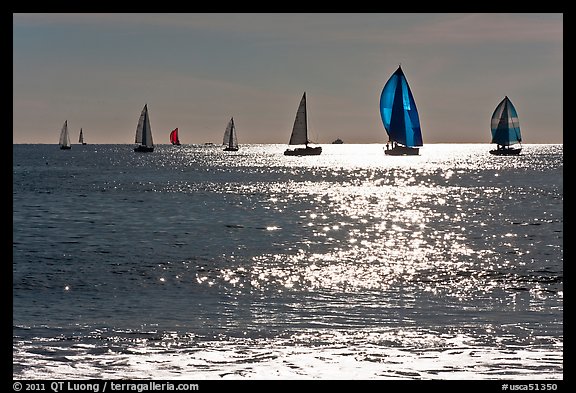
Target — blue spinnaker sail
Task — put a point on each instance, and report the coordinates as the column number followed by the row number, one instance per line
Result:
column 505, row 126
column 398, row 111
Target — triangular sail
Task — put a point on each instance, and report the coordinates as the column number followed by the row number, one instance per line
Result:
column 230, row 139
column 143, row 130
column 174, row 137
column 398, row 111
column 505, row 125
column 64, row 137
column 300, row 130
column 81, row 137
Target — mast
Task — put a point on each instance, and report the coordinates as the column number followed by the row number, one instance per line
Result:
column 144, row 127
column 305, row 122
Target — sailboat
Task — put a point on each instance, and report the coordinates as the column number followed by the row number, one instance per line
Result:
column 230, row 138
column 400, row 116
column 64, row 137
column 144, row 133
column 505, row 129
column 300, row 134
column 174, row 137
column 81, row 138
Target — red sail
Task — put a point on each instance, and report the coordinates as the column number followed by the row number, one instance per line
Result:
column 174, row 137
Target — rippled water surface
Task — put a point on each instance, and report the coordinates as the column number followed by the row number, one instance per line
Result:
column 192, row 262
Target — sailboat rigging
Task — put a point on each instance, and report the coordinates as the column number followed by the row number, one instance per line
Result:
column 174, row 137
column 230, row 139
column 81, row 138
column 400, row 116
column 64, row 137
column 505, row 129
column 144, row 133
column 299, row 134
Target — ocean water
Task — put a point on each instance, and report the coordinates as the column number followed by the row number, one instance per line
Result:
column 194, row 263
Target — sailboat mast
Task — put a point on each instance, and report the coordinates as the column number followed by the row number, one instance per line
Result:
column 305, row 120
column 503, row 125
column 144, row 130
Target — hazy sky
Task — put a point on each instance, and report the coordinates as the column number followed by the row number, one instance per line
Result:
column 195, row 71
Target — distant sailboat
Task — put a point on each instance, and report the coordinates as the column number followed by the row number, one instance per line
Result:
column 174, row 137
column 505, row 129
column 144, row 133
column 64, row 137
column 81, row 138
column 230, row 138
column 300, row 133
column 400, row 116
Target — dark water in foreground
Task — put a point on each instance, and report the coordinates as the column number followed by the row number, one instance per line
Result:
column 191, row 262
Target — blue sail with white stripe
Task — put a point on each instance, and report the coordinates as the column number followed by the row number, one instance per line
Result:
column 399, row 113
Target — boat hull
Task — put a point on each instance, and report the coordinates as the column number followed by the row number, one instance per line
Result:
column 304, row 151
column 231, row 149
column 506, row 152
column 144, row 149
column 65, row 147
column 402, row 151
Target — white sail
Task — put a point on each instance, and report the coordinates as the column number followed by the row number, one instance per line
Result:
column 300, row 130
column 143, row 130
column 299, row 134
column 230, row 140
column 64, row 137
